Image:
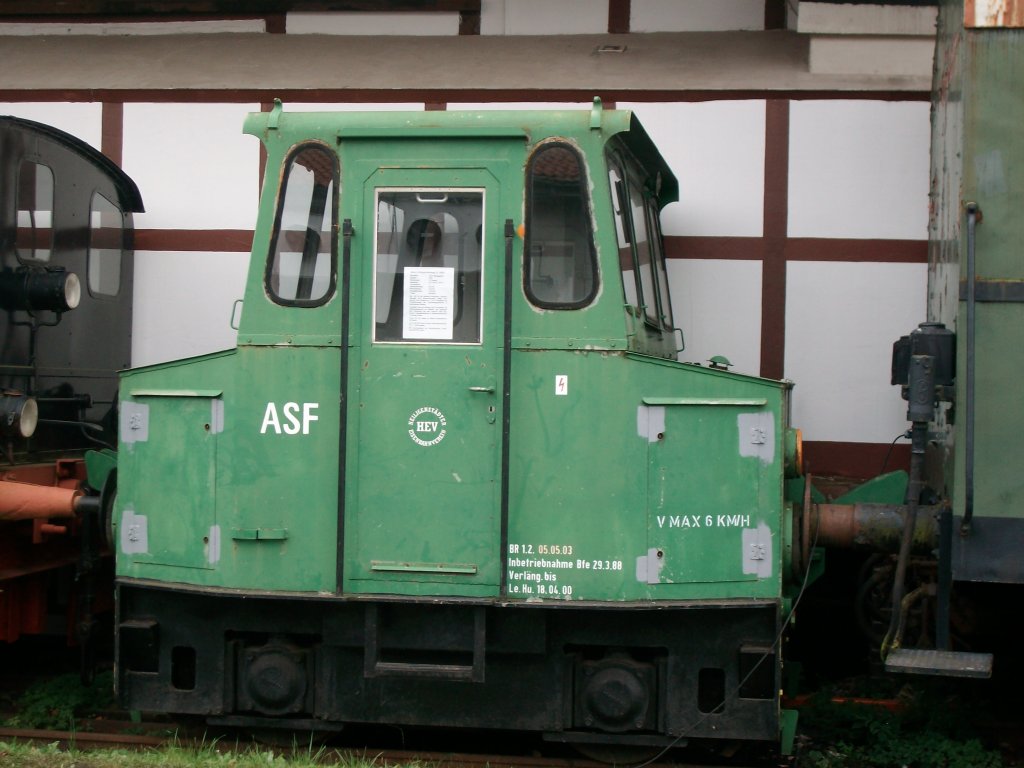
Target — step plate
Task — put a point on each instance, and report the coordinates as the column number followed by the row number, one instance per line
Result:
column 942, row 663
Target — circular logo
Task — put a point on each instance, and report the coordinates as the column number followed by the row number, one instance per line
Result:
column 427, row 426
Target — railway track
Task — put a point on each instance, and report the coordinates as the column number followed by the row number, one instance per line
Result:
column 84, row 740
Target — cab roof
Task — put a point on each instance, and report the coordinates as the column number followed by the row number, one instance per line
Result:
column 529, row 125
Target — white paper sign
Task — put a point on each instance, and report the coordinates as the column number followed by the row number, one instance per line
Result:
column 428, row 303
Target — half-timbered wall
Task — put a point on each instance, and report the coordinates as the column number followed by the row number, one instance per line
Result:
column 797, row 250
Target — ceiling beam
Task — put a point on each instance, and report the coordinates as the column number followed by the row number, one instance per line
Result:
column 37, row 9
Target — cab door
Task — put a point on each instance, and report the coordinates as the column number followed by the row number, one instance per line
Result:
column 423, row 501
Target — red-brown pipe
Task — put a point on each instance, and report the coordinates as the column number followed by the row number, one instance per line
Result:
column 27, row 501
column 876, row 527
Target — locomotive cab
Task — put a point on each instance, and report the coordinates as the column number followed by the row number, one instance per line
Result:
column 66, row 273
column 453, row 473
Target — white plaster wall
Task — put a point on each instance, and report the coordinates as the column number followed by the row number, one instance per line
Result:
column 543, row 17
column 194, row 166
column 831, row 18
column 717, row 303
column 863, row 55
column 84, row 120
column 716, row 150
column 183, row 303
column 695, row 15
column 859, row 169
column 359, row 23
column 841, row 321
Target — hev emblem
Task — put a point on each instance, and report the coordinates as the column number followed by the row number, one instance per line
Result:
column 427, row 426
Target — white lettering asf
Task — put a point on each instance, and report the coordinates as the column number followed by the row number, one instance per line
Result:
column 297, row 418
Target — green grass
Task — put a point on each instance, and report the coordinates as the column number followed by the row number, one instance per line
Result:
column 937, row 730
column 55, row 703
column 202, row 756
column 63, row 703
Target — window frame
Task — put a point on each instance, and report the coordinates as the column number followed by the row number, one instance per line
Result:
column 588, row 216
column 282, row 197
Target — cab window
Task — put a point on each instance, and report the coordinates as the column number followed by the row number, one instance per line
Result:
column 624, row 237
column 428, row 265
column 561, row 264
column 642, row 260
column 302, row 269
column 34, row 238
column 106, row 246
column 642, row 249
column 658, row 259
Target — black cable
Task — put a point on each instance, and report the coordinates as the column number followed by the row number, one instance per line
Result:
column 888, row 454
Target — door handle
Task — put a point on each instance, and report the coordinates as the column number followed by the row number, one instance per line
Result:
column 491, row 410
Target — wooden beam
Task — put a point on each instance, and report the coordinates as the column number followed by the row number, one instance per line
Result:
column 222, row 8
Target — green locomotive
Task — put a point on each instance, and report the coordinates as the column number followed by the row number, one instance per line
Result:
column 453, row 473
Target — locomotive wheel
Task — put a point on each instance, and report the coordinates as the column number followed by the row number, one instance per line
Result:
column 873, row 603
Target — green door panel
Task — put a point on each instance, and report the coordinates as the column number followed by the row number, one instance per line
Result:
column 423, row 508
column 170, row 431
column 706, row 522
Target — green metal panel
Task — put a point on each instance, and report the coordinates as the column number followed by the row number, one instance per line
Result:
column 602, row 481
column 707, row 520
column 234, row 490
column 159, row 524
column 999, row 415
column 578, row 481
column 993, row 147
column 978, row 156
column 279, row 476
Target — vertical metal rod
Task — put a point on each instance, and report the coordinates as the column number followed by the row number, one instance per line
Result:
column 973, row 217
column 506, row 402
column 893, row 637
column 346, row 259
column 921, row 404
